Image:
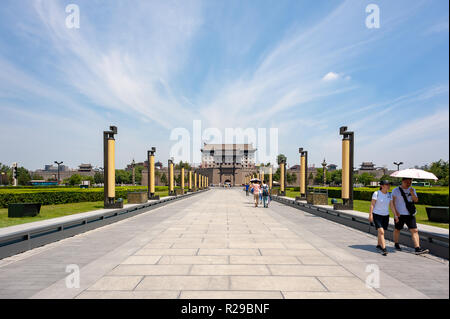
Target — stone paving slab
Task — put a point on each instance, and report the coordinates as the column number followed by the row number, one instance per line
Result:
column 226, row 294
column 217, row 245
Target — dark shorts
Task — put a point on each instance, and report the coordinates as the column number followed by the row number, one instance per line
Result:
column 409, row 220
column 381, row 221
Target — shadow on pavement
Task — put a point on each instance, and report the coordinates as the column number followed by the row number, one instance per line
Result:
column 372, row 248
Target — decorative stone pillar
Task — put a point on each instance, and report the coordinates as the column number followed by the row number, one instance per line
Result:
column 110, row 169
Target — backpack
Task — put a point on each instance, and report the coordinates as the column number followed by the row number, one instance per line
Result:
column 409, row 205
column 265, row 191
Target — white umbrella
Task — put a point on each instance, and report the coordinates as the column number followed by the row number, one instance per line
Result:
column 253, row 180
column 414, row 173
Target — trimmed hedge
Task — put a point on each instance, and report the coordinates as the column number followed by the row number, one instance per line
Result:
column 64, row 196
column 425, row 198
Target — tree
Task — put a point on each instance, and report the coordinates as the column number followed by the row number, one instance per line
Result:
column 138, row 173
column 365, row 178
column 88, row 178
column 440, row 169
column 319, row 176
column 182, row 164
column 123, row 176
column 23, row 176
column 4, row 168
column 98, row 178
column 164, row 179
column 280, row 158
column 291, row 178
column 5, row 172
column 276, row 176
column 73, row 180
column 336, row 177
column 310, row 178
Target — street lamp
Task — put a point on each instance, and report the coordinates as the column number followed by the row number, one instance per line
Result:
column 133, row 164
column 58, row 163
column 398, row 165
column 324, row 171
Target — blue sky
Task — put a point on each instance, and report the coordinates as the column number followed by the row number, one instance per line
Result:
column 304, row 67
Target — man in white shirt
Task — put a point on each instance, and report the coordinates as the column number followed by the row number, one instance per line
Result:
column 405, row 214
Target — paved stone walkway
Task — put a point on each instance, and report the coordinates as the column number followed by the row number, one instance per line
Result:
column 217, row 245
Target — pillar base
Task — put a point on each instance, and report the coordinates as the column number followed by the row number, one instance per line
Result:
column 153, row 197
column 283, row 193
column 301, row 197
column 114, row 205
column 340, row 206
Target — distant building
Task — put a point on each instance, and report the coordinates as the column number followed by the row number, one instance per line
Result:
column 85, row 168
column 311, row 172
column 158, row 165
column 220, row 155
column 367, row 166
column 130, row 166
column 331, row 167
column 227, row 163
column 54, row 168
column 50, row 172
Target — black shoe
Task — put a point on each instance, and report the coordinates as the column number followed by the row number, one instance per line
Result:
column 384, row 251
column 421, row 251
column 397, row 247
column 379, row 247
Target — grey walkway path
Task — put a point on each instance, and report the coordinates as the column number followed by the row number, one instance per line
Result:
column 216, row 245
column 438, row 231
column 54, row 221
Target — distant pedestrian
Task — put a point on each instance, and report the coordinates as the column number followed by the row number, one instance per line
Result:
column 379, row 213
column 265, row 194
column 404, row 198
column 256, row 188
column 246, row 189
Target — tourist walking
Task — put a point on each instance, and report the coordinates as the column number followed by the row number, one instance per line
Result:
column 256, row 188
column 265, row 194
column 404, row 198
column 247, row 186
column 379, row 213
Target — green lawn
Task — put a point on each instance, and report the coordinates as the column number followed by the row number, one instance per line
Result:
column 52, row 211
column 364, row 206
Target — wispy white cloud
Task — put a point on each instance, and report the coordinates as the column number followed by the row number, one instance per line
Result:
column 115, row 77
column 125, row 63
column 331, row 76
